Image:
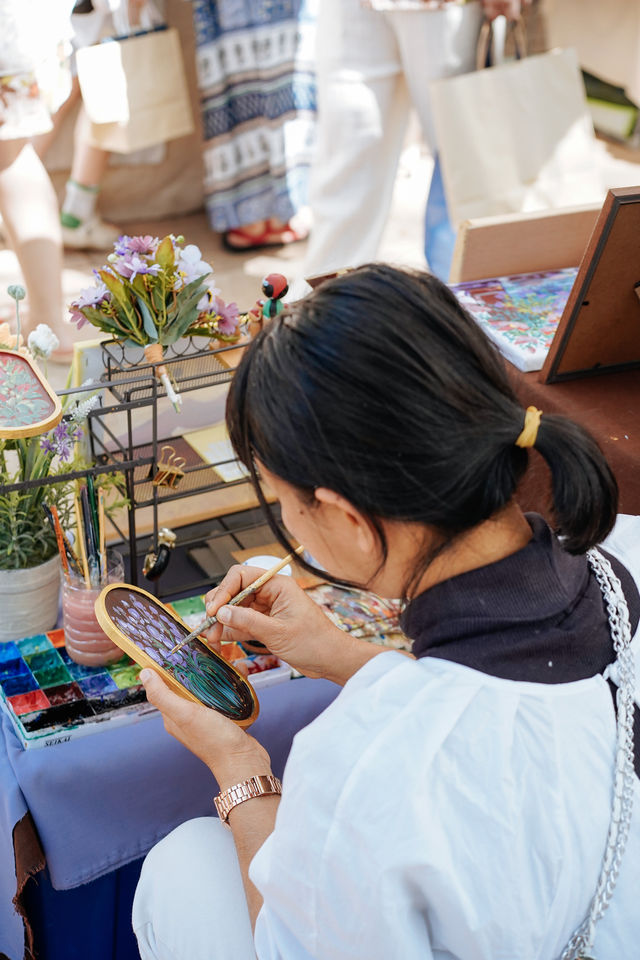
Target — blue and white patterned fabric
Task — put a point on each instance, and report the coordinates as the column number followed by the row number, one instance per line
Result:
column 255, row 62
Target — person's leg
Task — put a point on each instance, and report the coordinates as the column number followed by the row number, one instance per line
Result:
column 82, row 226
column 362, row 115
column 190, row 902
column 29, row 209
column 434, row 45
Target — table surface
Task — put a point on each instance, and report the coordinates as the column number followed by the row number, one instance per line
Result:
column 102, row 801
column 608, row 406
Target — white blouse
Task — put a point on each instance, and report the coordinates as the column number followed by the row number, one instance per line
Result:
column 433, row 811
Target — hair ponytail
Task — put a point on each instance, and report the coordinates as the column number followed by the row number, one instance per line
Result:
column 381, row 387
column 584, row 490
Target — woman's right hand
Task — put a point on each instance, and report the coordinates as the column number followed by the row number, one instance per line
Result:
column 280, row 616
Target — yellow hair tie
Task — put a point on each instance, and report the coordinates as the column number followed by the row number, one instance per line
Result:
column 529, row 433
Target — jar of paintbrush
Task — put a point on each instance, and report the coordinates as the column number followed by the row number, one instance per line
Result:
column 87, row 567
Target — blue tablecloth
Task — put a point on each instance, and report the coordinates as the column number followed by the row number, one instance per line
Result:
column 102, row 801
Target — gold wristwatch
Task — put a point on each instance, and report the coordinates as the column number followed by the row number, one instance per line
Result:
column 253, row 787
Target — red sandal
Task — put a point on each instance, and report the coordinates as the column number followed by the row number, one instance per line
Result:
column 272, row 236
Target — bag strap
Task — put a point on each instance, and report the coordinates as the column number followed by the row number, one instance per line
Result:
column 622, row 802
column 492, row 38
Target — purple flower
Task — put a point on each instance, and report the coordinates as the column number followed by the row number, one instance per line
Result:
column 133, row 264
column 46, row 445
column 77, row 317
column 228, row 314
column 60, row 441
column 125, row 245
column 89, row 297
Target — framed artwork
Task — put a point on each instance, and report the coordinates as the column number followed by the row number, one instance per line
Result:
column 28, row 405
column 599, row 331
column 147, row 630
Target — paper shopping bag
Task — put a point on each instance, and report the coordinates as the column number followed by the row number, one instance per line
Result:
column 516, row 137
column 135, row 91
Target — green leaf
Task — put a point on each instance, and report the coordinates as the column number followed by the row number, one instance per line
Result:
column 147, row 320
column 158, row 298
column 165, row 256
column 116, row 288
column 179, row 327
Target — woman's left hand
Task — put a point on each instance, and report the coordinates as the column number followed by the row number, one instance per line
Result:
column 231, row 754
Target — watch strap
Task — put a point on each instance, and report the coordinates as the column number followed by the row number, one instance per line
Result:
column 260, row 786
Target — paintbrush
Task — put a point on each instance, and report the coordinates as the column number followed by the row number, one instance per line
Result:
column 90, row 537
column 101, row 537
column 262, row 579
column 54, row 520
column 81, row 546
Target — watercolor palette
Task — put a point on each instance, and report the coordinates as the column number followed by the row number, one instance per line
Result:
column 519, row 313
column 51, row 699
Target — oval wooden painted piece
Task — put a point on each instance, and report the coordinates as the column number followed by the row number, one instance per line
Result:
column 147, row 630
column 28, row 405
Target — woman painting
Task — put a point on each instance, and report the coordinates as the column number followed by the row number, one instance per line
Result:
column 479, row 799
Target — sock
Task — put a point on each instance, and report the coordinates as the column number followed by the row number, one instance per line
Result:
column 79, row 204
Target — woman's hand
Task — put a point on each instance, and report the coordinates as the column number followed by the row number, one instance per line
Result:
column 279, row 615
column 231, row 754
column 288, row 623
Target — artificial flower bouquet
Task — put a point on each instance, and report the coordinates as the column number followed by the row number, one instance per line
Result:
column 150, row 293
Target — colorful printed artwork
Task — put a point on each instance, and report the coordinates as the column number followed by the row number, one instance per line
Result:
column 151, row 628
column 27, row 406
column 51, row 699
column 519, row 313
column 362, row 614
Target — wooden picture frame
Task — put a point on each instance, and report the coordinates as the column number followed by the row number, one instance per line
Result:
column 599, row 331
column 28, row 405
column 198, row 673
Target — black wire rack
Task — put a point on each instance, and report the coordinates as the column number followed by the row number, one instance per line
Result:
column 129, row 384
column 132, row 381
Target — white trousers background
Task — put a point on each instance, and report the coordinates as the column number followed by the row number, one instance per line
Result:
column 190, row 902
column 372, row 67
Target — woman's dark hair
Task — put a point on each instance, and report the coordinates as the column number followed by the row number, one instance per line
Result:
column 381, row 387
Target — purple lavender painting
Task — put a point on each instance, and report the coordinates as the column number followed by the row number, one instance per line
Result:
column 146, row 623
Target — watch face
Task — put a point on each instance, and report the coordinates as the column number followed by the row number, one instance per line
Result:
column 147, row 630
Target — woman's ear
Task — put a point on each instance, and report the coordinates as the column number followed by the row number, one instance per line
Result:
column 347, row 521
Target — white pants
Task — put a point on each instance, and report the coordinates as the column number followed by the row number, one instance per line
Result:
column 190, row 902
column 372, row 67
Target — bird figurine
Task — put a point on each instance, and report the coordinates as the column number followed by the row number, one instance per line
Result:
column 274, row 287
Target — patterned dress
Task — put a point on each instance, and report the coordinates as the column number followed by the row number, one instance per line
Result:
column 257, row 86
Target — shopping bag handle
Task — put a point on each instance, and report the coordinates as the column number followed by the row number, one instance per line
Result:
column 485, row 49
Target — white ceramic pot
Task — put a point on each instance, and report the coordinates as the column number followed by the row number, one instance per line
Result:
column 29, row 600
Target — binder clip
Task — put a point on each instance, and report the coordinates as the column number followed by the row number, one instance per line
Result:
column 168, row 472
column 156, row 561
